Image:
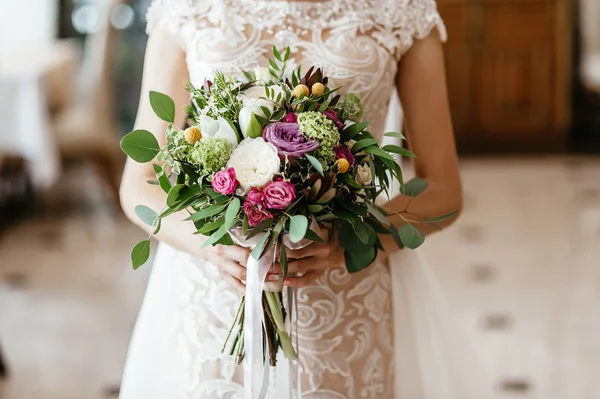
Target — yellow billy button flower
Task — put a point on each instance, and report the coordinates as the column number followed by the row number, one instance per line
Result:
column 343, row 165
column 318, row 89
column 192, row 135
column 301, row 90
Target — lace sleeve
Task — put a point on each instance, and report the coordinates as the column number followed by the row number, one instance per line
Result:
column 415, row 19
column 172, row 16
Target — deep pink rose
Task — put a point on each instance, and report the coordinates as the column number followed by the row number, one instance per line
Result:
column 279, row 194
column 256, row 213
column 332, row 115
column 290, row 117
column 255, row 196
column 341, row 151
column 224, row 182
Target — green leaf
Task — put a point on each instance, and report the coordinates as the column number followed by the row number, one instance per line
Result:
column 315, row 163
column 287, row 54
column 396, row 236
column 245, row 225
column 274, row 65
column 311, row 235
column 158, row 226
column 276, row 53
column 256, row 128
column 215, row 237
column 163, row 106
column 259, row 247
column 140, row 254
column 207, row 212
column 140, row 145
column 411, row 237
column 398, row 150
column 146, row 215
column 352, row 130
column 415, row 187
column 357, row 261
column 379, row 215
column 248, row 76
column 363, row 144
column 218, row 198
column 315, row 208
column 350, row 241
column 396, row 135
column 364, row 232
column 173, row 195
column 345, row 215
column 152, row 182
column 232, row 211
column 262, row 226
column 283, row 260
column 298, row 227
column 274, row 236
column 352, row 207
column 163, row 180
column 210, row 227
column 441, row 218
column 380, row 153
column 225, row 240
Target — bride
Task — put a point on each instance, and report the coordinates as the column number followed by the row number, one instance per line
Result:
column 365, row 335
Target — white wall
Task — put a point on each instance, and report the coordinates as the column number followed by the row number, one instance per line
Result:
column 30, row 23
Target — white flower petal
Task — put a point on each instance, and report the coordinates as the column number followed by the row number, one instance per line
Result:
column 208, row 126
column 227, row 132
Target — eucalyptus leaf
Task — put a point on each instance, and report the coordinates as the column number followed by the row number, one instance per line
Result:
column 345, row 215
column 298, row 227
column 140, row 254
column 311, row 235
column 364, row 232
column 225, row 240
column 378, row 214
column 411, row 237
column 350, row 241
column 215, row 237
column 259, row 247
column 146, row 215
column 315, row 163
column 152, row 182
column 207, row 212
column 163, row 180
column 415, row 187
column 173, row 195
column 163, row 106
column 140, row 145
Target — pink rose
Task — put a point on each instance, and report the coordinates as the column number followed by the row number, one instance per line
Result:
column 255, row 196
column 290, row 117
column 256, row 213
column 279, row 194
column 341, row 151
column 224, row 182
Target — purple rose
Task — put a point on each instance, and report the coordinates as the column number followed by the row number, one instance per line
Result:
column 287, row 139
column 332, row 115
column 290, row 117
column 256, row 213
column 341, row 151
column 224, row 182
column 279, row 194
column 255, row 196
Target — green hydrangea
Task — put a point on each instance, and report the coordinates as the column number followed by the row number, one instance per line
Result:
column 352, row 107
column 211, row 154
column 317, row 126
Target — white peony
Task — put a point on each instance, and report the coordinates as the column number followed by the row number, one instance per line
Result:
column 363, row 175
column 255, row 162
column 218, row 128
column 262, row 75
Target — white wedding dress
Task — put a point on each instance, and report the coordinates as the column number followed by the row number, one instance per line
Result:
column 380, row 333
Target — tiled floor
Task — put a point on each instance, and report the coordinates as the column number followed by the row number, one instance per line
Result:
column 521, row 266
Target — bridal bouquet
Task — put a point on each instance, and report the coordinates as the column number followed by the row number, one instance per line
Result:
column 267, row 162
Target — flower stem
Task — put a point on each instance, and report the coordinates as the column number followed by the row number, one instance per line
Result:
column 276, row 313
column 235, row 322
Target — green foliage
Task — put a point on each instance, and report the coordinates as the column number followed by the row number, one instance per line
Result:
column 146, row 215
column 298, row 227
column 140, row 145
column 411, row 237
column 140, row 254
column 163, row 106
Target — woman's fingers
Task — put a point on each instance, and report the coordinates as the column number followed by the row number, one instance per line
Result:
column 233, row 269
column 305, row 280
column 237, row 284
column 307, row 264
column 234, row 252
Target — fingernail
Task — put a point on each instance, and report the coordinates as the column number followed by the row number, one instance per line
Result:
column 274, row 277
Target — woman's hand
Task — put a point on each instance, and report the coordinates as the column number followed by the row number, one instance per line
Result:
column 306, row 265
column 231, row 261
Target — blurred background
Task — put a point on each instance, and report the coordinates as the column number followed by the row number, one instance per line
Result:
column 521, row 265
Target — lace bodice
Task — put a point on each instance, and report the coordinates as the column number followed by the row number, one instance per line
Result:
column 357, row 42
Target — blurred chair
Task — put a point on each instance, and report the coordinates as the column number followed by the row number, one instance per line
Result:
column 3, row 369
column 590, row 44
column 86, row 130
